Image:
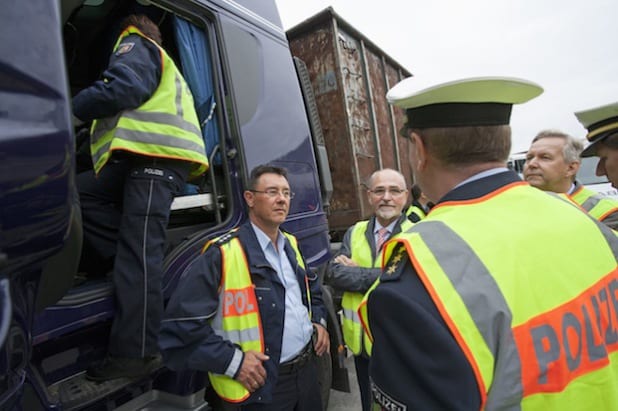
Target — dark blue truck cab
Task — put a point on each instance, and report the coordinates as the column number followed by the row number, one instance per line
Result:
column 253, row 110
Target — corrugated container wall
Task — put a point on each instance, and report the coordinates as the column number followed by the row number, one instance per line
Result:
column 350, row 77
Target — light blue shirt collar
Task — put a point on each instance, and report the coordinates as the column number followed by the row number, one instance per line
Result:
column 264, row 240
column 573, row 186
column 297, row 328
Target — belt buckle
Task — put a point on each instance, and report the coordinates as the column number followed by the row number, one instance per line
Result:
column 299, row 361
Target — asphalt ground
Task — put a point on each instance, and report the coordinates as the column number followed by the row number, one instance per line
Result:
column 343, row 401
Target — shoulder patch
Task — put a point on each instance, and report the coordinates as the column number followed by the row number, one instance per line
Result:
column 124, row 48
column 219, row 241
column 413, row 217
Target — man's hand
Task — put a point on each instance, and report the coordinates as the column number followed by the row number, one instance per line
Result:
column 322, row 342
column 252, row 373
column 344, row 260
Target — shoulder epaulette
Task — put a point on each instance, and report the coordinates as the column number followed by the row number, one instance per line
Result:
column 395, row 264
column 219, row 241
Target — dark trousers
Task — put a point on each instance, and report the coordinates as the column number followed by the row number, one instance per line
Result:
column 362, row 376
column 125, row 211
column 295, row 391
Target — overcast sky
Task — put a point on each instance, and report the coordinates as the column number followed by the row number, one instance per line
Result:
column 569, row 47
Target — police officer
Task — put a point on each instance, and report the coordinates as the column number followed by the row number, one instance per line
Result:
column 501, row 297
column 247, row 308
column 145, row 142
column 357, row 264
column 420, row 205
column 602, row 125
column 552, row 163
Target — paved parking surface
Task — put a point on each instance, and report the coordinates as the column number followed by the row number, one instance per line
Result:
column 343, row 401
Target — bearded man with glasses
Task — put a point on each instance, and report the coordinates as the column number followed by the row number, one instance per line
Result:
column 357, row 265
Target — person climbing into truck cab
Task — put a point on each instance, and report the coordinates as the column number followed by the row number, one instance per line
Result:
column 145, row 142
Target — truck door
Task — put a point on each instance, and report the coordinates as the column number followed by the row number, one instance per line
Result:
column 36, row 167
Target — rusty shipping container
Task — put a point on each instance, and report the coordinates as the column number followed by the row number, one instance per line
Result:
column 350, row 77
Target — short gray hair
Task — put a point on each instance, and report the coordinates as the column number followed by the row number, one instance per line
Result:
column 572, row 147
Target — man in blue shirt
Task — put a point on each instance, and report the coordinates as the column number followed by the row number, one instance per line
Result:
column 196, row 334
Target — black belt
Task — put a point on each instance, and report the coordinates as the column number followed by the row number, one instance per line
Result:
column 297, row 362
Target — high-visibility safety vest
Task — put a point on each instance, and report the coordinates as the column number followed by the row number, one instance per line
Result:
column 412, row 209
column 360, row 251
column 238, row 317
column 554, row 348
column 595, row 204
column 165, row 126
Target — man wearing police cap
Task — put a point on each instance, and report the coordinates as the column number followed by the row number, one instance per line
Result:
column 470, row 313
column 602, row 125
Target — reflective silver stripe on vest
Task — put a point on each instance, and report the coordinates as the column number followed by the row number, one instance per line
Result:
column 239, row 336
column 148, row 138
column 179, row 110
column 490, row 313
column 163, row 118
column 609, row 235
column 351, row 315
column 103, row 126
column 591, row 202
column 106, row 124
column 235, row 336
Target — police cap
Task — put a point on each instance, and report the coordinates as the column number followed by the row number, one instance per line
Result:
column 478, row 101
column 601, row 122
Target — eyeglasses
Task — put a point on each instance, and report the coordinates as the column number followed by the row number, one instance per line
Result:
column 273, row 192
column 381, row 192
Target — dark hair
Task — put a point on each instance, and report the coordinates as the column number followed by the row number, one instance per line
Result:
column 456, row 146
column 257, row 172
column 145, row 25
column 416, row 192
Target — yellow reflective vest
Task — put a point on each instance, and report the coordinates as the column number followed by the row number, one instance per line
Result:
column 238, row 317
column 533, row 340
column 165, row 126
column 360, row 252
column 595, row 204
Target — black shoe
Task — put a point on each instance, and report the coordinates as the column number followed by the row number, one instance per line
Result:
column 122, row 367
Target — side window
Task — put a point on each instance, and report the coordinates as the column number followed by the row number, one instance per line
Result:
column 197, row 67
column 193, row 50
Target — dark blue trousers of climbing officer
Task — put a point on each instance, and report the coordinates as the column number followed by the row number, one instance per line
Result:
column 125, row 211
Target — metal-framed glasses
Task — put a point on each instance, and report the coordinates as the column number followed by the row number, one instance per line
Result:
column 273, row 192
column 394, row 192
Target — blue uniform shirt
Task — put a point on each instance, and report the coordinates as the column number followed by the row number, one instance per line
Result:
column 131, row 78
column 297, row 328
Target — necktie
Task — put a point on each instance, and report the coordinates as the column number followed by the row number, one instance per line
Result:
column 382, row 235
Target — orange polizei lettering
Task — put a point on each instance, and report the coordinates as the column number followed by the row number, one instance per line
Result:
column 239, row 302
column 573, row 339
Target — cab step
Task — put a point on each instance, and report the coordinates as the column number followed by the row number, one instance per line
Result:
column 76, row 392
